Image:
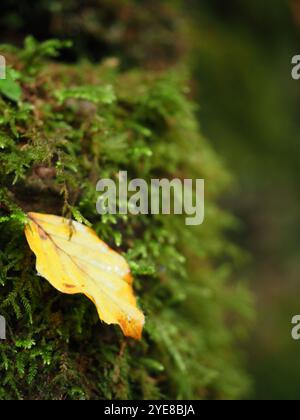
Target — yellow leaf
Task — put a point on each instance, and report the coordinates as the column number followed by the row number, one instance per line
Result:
column 74, row 260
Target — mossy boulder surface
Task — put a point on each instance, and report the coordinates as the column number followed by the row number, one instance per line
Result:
column 62, row 128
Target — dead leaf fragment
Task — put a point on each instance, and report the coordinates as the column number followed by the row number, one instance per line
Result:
column 74, row 260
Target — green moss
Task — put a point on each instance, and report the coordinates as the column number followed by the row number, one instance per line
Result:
column 56, row 142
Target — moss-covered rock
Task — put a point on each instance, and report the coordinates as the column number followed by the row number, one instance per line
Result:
column 67, row 126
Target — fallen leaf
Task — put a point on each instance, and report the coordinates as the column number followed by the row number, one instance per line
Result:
column 74, row 260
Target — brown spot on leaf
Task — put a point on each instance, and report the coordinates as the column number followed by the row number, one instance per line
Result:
column 42, row 234
column 69, row 286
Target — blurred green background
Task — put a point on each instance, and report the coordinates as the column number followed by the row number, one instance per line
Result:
column 249, row 108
